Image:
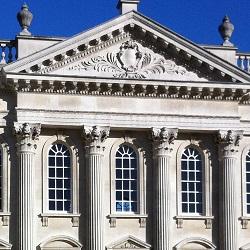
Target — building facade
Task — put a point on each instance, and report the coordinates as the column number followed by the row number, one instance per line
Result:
column 126, row 136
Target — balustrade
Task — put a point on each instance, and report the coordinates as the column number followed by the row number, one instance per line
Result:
column 243, row 61
column 8, row 52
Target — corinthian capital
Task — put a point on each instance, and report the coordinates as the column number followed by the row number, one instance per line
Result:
column 26, row 130
column 163, row 139
column 164, row 134
column 95, row 134
column 229, row 140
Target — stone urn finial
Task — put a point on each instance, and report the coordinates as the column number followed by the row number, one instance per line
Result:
column 226, row 30
column 24, row 17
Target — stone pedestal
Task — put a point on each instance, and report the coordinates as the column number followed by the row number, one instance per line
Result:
column 163, row 141
column 94, row 138
column 26, row 145
column 228, row 148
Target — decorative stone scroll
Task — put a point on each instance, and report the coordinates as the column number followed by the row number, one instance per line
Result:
column 131, row 62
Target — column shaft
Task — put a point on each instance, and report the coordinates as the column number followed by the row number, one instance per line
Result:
column 229, row 218
column 162, row 209
column 25, row 204
column 95, row 215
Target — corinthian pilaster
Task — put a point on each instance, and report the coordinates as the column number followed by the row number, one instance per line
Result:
column 228, row 148
column 163, row 141
column 27, row 135
column 94, row 137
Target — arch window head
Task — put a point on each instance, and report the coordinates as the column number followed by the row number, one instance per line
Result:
column 59, row 178
column 191, row 182
column 126, row 181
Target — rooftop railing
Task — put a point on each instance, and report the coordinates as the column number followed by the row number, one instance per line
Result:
column 8, row 51
column 243, row 61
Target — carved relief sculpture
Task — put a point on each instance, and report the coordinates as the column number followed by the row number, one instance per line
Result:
column 130, row 62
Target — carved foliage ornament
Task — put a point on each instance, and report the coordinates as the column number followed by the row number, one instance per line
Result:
column 164, row 134
column 130, row 62
column 230, row 137
column 26, row 130
column 163, row 140
column 95, row 134
column 229, row 141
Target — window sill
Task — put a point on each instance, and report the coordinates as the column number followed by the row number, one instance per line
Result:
column 5, row 218
column 74, row 218
column 244, row 221
column 207, row 219
column 141, row 218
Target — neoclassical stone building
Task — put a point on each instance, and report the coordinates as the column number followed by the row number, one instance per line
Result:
column 124, row 136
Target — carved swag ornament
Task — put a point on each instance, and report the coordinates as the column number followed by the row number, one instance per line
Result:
column 130, row 62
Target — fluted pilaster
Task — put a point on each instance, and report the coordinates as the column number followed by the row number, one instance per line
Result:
column 94, row 137
column 228, row 146
column 163, row 141
column 26, row 138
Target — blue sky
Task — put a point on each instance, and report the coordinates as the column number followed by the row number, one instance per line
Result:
column 196, row 20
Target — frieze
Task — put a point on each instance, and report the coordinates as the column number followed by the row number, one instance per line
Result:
column 134, row 62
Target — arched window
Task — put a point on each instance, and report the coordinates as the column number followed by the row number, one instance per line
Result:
column 191, row 182
column 126, row 184
column 247, row 178
column 59, row 178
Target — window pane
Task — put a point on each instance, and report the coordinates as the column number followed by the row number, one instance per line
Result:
column 191, row 181
column 118, row 195
column 126, row 185
column 52, row 205
column 118, row 174
column 126, row 179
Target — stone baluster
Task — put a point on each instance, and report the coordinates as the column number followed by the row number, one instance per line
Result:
column 163, row 141
column 27, row 135
column 94, row 138
column 228, row 147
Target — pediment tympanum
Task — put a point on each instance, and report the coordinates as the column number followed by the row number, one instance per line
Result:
column 129, row 59
column 129, row 242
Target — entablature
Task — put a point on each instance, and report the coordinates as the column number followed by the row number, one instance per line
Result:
column 225, row 91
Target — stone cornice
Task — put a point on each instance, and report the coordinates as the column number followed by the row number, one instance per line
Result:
column 127, row 87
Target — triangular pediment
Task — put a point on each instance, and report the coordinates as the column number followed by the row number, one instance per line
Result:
column 129, row 242
column 130, row 46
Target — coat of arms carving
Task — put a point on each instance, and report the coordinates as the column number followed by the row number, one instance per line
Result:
column 130, row 62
